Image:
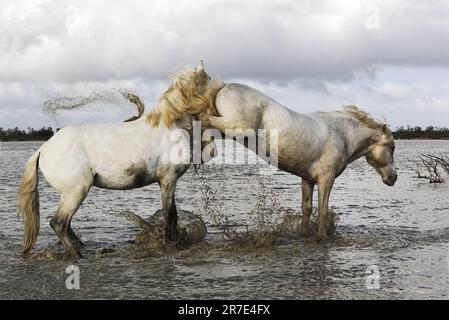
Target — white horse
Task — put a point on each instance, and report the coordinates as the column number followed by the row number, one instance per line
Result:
column 115, row 156
column 316, row 147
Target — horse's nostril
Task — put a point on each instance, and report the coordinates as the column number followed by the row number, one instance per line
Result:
column 392, row 179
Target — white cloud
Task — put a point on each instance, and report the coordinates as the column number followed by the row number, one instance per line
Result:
column 76, row 22
column 394, row 90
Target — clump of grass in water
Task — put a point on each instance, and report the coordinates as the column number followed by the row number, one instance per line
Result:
column 267, row 215
column 265, row 231
column 271, row 221
column 211, row 203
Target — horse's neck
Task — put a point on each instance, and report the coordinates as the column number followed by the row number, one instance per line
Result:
column 358, row 138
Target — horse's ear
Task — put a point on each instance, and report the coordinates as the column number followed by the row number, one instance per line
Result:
column 200, row 66
column 385, row 129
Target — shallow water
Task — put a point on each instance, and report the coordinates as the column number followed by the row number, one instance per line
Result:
column 402, row 231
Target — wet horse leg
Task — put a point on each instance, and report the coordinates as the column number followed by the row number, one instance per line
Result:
column 61, row 221
column 307, row 197
column 324, row 189
column 168, row 187
column 74, row 236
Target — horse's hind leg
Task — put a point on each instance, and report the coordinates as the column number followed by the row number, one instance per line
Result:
column 60, row 223
column 168, row 186
column 73, row 235
column 307, row 197
column 324, row 189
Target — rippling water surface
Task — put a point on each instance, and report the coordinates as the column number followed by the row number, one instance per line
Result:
column 403, row 232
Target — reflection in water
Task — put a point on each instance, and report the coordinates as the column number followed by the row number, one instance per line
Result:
column 403, row 230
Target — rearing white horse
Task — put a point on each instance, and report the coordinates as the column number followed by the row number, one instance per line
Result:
column 316, row 147
column 116, row 156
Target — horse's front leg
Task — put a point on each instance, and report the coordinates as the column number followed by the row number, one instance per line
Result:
column 168, row 187
column 324, row 189
column 221, row 123
column 307, row 197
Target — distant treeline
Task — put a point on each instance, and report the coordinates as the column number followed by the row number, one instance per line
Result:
column 16, row 134
column 429, row 132
column 45, row 133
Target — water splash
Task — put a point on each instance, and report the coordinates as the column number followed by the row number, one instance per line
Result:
column 54, row 106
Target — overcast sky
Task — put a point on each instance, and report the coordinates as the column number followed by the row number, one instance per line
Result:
column 390, row 57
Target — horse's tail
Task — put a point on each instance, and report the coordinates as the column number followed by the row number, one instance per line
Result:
column 137, row 102
column 28, row 203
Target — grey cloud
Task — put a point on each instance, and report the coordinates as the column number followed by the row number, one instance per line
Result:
column 310, row 55
column 85, row 40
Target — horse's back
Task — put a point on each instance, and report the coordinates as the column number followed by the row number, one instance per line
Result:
column 302, row 138
column 245, row 106
column 116, row 156
column 247, row 98
column 111, row 156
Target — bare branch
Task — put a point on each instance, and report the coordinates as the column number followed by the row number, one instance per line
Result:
column 432, row 165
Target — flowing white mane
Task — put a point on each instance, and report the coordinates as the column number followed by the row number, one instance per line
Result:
column 191, row 92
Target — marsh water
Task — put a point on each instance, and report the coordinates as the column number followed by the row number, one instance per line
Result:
column 400, row 234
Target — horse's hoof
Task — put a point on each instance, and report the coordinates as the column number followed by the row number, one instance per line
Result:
column 73, row 254
column 80, row 243
column 303, row 231
column 171, row 241
column 322, row 237
column 169, row 244
column 171, row 236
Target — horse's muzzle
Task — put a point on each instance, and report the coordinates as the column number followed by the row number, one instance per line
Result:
column 390, row 180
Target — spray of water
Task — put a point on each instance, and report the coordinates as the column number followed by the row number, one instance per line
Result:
column 54, row 106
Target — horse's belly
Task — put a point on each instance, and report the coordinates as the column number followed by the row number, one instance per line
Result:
column 123, row 182
column 125, row 177
column 295, row 164
column 297, row 170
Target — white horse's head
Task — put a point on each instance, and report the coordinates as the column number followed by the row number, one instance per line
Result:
column 192, row 92
column 381, row 156
column 380, row 151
